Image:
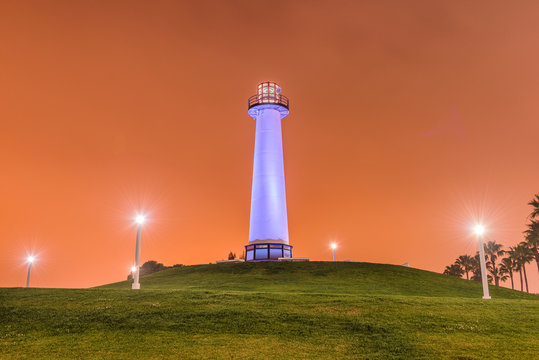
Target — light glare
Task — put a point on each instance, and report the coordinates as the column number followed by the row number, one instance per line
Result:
column 479, row 229
column 140, row 219
column 30, row 259
column 133, row 269
column 333, row 246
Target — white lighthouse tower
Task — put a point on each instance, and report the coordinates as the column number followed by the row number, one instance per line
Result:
column 268, row 231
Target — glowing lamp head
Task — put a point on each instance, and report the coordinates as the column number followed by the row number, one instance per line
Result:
column 479, row 230
column 133, row 269
column 139, row 219
column 30, row 259
column 333, row 246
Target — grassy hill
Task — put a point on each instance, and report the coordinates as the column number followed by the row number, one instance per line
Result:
column 314, row 310
column 316, row 277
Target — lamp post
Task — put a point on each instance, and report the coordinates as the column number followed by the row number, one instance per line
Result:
column 479, row 231
column 136, row 285
column 333, row 246
column 30, row 259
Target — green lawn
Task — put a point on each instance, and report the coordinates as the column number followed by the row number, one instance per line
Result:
column 273, row 311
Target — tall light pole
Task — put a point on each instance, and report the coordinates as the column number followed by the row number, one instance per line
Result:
column 479, row 231
column 139, row 220
column 30, row 259
column 333, row 246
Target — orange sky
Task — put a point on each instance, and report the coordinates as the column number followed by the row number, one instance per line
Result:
column 408, row 119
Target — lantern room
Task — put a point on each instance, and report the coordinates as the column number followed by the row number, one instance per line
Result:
column 268, row 93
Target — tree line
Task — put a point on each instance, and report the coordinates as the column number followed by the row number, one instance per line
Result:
column 503, row 264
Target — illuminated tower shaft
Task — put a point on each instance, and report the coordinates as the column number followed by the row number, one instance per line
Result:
column 268, row 231
column 268, row 197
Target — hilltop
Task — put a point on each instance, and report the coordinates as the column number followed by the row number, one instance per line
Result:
column 353, row 278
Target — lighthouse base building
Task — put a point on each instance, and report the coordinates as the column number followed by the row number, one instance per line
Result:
column 267, row 251
column 268, row 230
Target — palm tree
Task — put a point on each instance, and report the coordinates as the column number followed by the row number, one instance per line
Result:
column 532, row 239
column 507, row 267
column 522, row 255
column 454, row 270
column 466, row 263
column 535, row 203
column 514, row 254
column 493, row 250
column 503, row 277
column 476, row 269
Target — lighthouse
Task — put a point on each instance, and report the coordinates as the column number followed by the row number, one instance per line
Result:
column 268, row 230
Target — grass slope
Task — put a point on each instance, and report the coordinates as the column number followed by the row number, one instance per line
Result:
column 316, row 277
column 272, row 311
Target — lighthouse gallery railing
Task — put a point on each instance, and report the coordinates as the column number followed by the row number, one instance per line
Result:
column 268, row 99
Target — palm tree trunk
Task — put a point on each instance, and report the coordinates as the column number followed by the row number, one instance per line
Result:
column 467, row 278
column 495, row 272
column 525, row 277
column 512, row 285
column 521, row 284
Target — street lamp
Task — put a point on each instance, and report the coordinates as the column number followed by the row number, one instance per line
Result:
column 479, row 231
column 139, row 219
column 30, row 259
column 333, row 246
